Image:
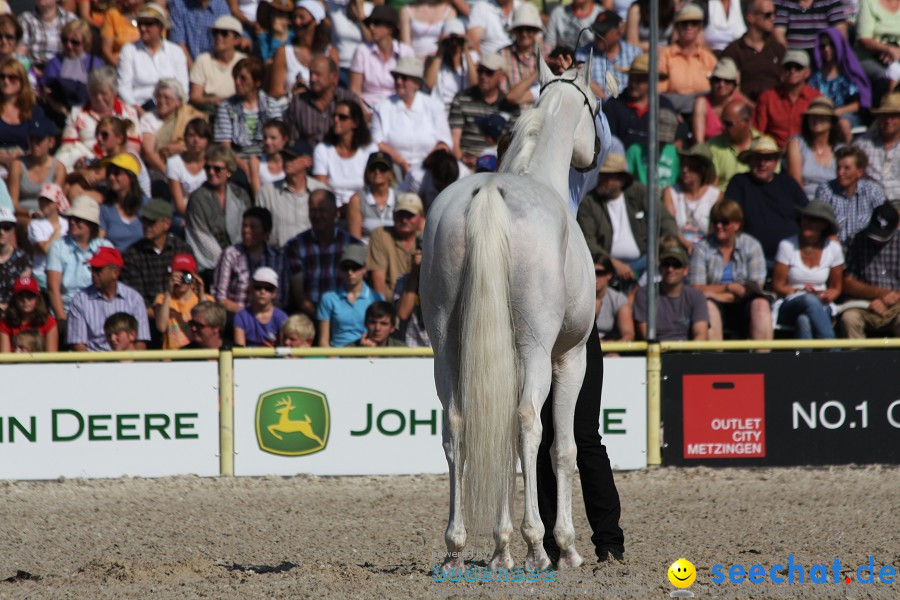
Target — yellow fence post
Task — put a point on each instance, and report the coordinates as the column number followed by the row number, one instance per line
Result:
column 226, row 413
column 654, row 415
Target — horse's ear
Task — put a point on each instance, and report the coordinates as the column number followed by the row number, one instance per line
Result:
column 546, row 75
column 587, row 70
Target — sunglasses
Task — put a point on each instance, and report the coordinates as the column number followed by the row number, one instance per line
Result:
column 690, row 23
column 402, row 77
column 715, row 80
column 380, row 24
column 7, row 226
column 485, row 71
column 265, row 287
column 722, row 222
column 671, row 264
column 102, row 135
column 196, row 324
column 380, row 168
column 9, row 77
column 767, row 15
column 342, row 117
column 793, row 67
column 7, row 37
column 79, row 222
column 213, row 169
column 149, row 23
column 600, row 272
column 221, row 32
column 70, row 41
column 98, row 269
column 112, row 171
column 350, row 267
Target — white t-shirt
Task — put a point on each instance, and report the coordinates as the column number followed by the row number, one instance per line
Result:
column 175, row 169
column 450, row 82
column 149, row 123
column 486, row 14
column 40, row 230
column 345, row 175
column 624, row 246
column 414, row 131
column 799, row 274
column 346, row 35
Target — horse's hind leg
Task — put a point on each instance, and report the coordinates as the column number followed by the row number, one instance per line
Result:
column 445, row 380
column 502, row 558
column 567, row 381
column 537, row 374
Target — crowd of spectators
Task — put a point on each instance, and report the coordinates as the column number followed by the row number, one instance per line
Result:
column 202, row 173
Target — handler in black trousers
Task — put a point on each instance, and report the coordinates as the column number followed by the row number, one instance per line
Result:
column 601, row 499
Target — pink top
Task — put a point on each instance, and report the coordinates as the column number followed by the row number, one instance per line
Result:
column 713, row 121
column 378, row 83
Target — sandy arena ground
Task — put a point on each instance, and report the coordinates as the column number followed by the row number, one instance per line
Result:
column 374, row 537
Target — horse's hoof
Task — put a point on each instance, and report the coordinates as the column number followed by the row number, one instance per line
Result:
column 502, row 560
column 454, row 563
column 570, row 560
column 537, row 559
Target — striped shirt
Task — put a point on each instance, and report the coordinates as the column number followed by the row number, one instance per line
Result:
column 319, row 266
column 517, row 68
column 804, row 24
column 41, row 39
column 242, row 128
column 884, row 163
column 853, row 214
column 602, row 64
column 89, row 312
column 147, row 270
column 868, row 263
column 232, row 277
column 466, row 107
column 747, row 261
column 309, row 123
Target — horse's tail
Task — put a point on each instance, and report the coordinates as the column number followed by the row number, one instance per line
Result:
column 488, row 381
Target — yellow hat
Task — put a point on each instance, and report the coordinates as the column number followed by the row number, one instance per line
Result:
column 123, row 161
column 761, row 145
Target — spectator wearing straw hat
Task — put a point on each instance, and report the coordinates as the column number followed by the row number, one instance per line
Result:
column 143, row 63
column 519, row 57
column 67, row 270
column 342, row 311
column 707, row 117
column 667, row 164
column 768, row 199
column 14, row 262
column 391, row 249
column 687, row 62
column 613, row 218
column 171, row 309
column 478, row 101
column 810, row 155
column 693, row 195
column 757, row 53
column 566, row 22
column 851, row 194
column 192, row 22
column 147, row 261
column 882, row 145
column 629, row 113
column 410, row 124
column 779, row 111
column 211, row 80
column 259, row 325
column 612, row 55
column 805, row 292
column 104, row 297
column 47, row 228
column 873, row 274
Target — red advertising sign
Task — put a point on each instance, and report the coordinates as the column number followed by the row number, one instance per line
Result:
column 724, row 416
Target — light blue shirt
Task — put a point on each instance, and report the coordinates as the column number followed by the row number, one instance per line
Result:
column 68, row 258
column 348, row 321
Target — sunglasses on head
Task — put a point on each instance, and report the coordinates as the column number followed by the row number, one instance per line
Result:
column 213, row 168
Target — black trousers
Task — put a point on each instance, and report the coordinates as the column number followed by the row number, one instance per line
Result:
column 601, row 499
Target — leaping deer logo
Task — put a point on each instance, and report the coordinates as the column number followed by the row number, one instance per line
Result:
column 287, row 425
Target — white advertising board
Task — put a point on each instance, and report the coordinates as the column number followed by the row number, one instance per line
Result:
column 382, row 416
column 109, row 420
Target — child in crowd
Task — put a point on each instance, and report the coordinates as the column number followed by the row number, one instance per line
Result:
column 341, row 312
column 380, row 324
column 121, row 332
column 298, row 332
column 28, row 312
column 260, row 325
column 47, row 229
column 28, row 341
column 269, row 168
column 172, row 309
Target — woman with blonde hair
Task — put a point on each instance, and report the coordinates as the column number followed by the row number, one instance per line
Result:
column 64, row 80
column 17, row 106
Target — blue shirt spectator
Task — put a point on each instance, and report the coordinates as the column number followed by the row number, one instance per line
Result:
column 192, row 23
column 347, row 319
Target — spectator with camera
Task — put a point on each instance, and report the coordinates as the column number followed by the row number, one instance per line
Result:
column 171, row 310
column 454, row 67
column 105, row 296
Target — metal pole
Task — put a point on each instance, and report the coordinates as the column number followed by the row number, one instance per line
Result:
column 652, row 160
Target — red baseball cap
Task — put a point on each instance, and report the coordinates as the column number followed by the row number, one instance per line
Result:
column 106, row 256
column 184, row 262
column 26, row 284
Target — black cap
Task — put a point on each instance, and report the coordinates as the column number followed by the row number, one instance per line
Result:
column 884, row 223
column 491, row 125
column 42, row 127
column 605, row 21
column 297, row 149
column 380, row 158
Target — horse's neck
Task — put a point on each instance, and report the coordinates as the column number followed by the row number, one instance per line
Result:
column 552, row 156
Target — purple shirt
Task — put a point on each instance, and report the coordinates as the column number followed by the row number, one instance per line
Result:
column 258, row 334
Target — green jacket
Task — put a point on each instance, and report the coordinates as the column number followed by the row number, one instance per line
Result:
column 593, row 218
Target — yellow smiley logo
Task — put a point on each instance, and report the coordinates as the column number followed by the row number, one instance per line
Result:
column 682, row 573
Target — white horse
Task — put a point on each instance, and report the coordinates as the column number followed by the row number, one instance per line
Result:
column 508, row 300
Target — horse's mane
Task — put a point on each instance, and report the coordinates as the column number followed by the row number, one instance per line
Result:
column 524, row 140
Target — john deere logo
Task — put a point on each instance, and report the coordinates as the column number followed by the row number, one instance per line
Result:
column 292, row 421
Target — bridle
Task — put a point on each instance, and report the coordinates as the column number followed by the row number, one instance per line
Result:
column 587, row 103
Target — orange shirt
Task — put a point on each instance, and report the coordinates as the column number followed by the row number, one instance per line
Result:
column 121, row 29
column 688, row 74
column 178, row 334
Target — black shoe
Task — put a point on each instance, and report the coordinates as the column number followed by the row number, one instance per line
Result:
column 605, row 554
